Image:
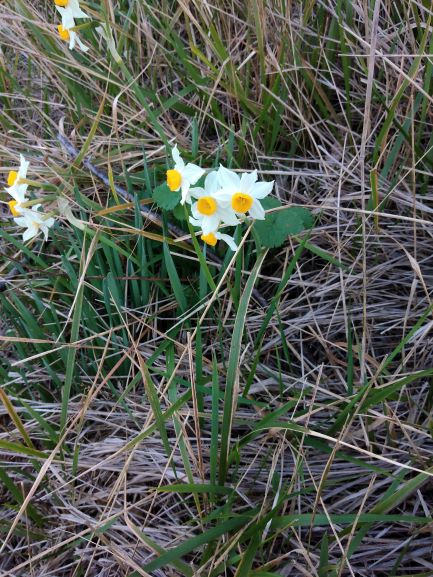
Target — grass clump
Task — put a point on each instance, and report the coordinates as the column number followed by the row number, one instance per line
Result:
column 171, row 408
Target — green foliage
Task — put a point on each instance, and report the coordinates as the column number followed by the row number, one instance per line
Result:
column 279, row 224
column 181, row 360
column 165, row 198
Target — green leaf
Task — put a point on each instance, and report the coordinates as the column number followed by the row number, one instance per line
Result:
column 165, row 198
column 179, row 211
column 280, row 224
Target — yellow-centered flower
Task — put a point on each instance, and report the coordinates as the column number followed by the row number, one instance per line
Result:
column 12, row 177
column 182, row 176
column 213, row 237
column 34, row 222
column 207, row 212
column 207, row 206
column 63, row 33
column 12, row 204
column 69, row 10
column 17, row 188
column 174, row 179
column 209, row 239
column 242, row 202
column 242, row 194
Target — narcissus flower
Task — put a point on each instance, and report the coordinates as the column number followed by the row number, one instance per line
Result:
column 182, row 176
column 17, row 188
column 34, row 222
column 211, row 238
column 69, row 10
column 207, row 212
column 71, row 37
column 243, row 194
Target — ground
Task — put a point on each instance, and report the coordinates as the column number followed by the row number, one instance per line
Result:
column 168, row 410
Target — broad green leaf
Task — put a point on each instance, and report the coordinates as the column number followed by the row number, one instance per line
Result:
column 165, row 198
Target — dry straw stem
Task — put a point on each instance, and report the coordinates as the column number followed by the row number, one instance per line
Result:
column 329, row 447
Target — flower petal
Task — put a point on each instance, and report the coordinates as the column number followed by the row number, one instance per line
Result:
column 223, row 196
column 212, row 184
column 195, row 212
column 74, row 6
column 83, row 47
column 68, row 21
column 194, row 221
column 49, row 222
column 228, row 216
column 248, row 180
column 20, row 221
column 24, row 164
column 210, row 223
column 18, row 192
column 228, row 179
column 192, row 173
column 197, row 192
column 262, row 189
column 176, row 155
column 30, row 233
column 256, row 211
column 185, row 190
column 72, row 39
column 228, row 240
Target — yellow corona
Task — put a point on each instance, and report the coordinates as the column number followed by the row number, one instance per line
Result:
column 242, row 202
column 174, row 179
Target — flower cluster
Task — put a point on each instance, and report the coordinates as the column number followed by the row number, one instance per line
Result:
column 29, row 217
column 226, row 198
column 69, row 10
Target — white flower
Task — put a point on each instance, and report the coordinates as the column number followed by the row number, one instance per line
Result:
column 69, row 10
column 17, row 189
column 182, row 176
column 243, row 193
column 34, row 222
column 213, row 237
column 71, row 37
column 207, row 212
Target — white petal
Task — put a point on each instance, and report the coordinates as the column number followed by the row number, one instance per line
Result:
column 195, row 212
column 21, row 221
column 223, row 196
column 72, row 38
column 179, row 163
column 256, row 211
column 247, row 181
column 185, row 190
column 49, row 222
column 262, row 189
column 210, row 223
column 83, row 47
column 194, row 222
column 30, row 233
column 192, row 173
column 74, row 6
column 227, row 239
column 24, row 164
column 212, row 183
column 197, row 192
column 228, row 179
column 68, row 21
column 18, row 192
column 228, row 216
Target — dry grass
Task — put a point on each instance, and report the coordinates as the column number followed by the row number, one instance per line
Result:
column 296, row 101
